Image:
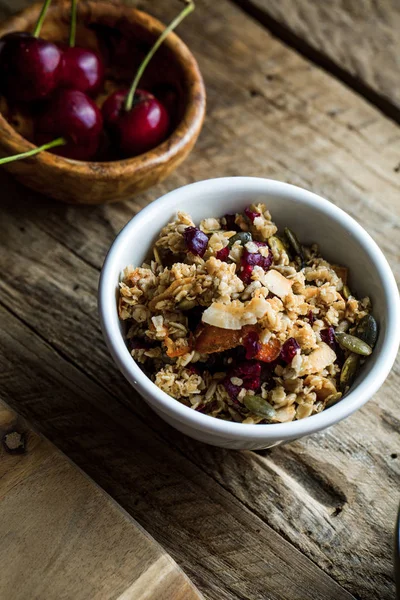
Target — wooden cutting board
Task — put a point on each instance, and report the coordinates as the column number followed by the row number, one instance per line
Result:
column 62, row 537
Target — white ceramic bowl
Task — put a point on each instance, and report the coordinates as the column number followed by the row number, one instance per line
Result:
column 342, row 240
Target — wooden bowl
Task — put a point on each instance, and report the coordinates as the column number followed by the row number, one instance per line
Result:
column 122, row 35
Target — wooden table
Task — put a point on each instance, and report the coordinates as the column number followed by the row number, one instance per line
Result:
column 313, row 519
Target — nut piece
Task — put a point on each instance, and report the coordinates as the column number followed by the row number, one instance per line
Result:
column 318, row 360
column 277, row 283
column 236, row 314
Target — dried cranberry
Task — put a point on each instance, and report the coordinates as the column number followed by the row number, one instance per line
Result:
column 245, row 273
column 251, row 214
column 289, row 350
column 252, row 345
column 250, row 260
column 249, row 372
column 248, row 369
column 328, row 336
column 233, row 390
column 230, row 223
column 195, row 240
column 223, row 254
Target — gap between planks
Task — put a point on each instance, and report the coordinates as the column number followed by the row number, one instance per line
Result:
column 318, row 58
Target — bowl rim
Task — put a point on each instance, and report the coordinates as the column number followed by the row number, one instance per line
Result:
column 188, row 127
column 272, row 431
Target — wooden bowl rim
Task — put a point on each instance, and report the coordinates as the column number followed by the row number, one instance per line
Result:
column 176, row 142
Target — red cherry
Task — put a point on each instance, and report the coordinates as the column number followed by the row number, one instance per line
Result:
column 73, row 115
column 30, row 67
column 139, row 129
column 113, row 106
column 82, row 70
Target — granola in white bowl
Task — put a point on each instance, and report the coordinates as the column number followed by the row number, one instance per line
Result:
column 242, row 323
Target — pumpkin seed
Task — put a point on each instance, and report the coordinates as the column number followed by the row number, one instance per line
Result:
column 258, row 406
column 333, row 399
column 349, row 371
column 295, row 244
column 187, row 304
column 278, row 243
column 353, row 343
column 367, row 330
column 346, row 292
column 242, row 236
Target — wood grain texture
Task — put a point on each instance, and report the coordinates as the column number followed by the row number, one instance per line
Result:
column 218, row 541
column 361, row 37
column 104, row 181
column 333, row 495
column 62, row 537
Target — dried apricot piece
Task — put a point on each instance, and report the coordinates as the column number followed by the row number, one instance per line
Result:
column 174, row 350
column 210, row 339
column 269, row 352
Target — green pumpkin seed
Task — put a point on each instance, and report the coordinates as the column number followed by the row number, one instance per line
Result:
column 187, row 304
column 293, row 241
column 295, row 245
column 258, row 406
column 278, row 243
column 242, row 236
column 353, row 343
column 349, row 371
column 333, row 399
column 346, row 292
column 367, row 330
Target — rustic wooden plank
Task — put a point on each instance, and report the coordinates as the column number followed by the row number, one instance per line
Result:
column 231, row 553
column 320, row 499
column 270, row 113
column 62, row 537
column 356, row 41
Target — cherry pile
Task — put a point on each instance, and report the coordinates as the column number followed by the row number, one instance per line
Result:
column 62, row 82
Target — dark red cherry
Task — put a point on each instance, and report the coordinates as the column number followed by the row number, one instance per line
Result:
column 82, row 70
column 73, row 115
column 139, row 129
column 30, row 67
column 113, row 106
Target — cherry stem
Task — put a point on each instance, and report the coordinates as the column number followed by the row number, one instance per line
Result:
column 184, row 13
column 41, row 18
column 53, row 144
column 72, row 31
